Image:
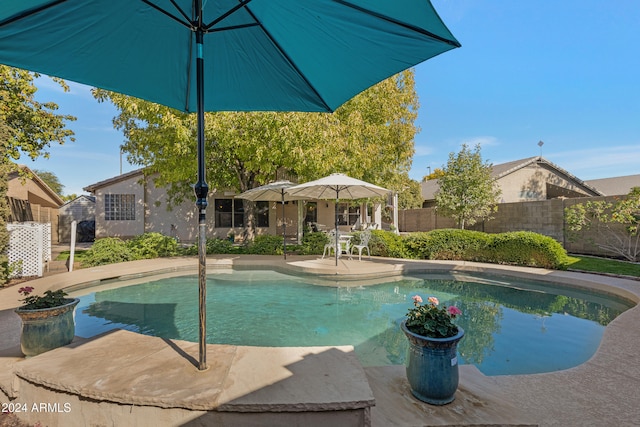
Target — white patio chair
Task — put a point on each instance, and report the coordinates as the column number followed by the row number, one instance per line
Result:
column 365, row 236
column 331, row 245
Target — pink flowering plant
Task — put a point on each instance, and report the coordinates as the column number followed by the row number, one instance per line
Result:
column 431, row 319
column 48, row 300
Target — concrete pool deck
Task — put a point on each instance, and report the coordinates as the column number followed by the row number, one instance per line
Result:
column 114, row 378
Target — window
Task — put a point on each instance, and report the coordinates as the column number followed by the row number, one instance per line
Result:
column 223, row 213
column 238, row 213
column 347, row 215
column 229, row 213
column 262, row 214
column 119, row 207
column 312, row 213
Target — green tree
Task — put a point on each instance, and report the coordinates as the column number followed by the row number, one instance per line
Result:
column 26, row 127
column 51, row 179
column 616, row 224
column 436, row 174
column 69, row 197
column 5, row 168
column 467, row 192
column 411, row 195
column 370, row 137
column 32, row 126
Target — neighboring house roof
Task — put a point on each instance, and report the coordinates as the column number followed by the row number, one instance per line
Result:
column 500, row 171
column 91, row 199
column 429, row 189
column 110, row 181
column 616, row 186
column 55, row 198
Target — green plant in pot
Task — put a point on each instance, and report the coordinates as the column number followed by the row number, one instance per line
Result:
column 432, row 361
column 47, row 320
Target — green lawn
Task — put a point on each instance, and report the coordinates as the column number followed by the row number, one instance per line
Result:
column 604, row 265
column 77, row 256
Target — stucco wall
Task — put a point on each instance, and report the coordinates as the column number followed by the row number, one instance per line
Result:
column 544, row 217
column 120, row 228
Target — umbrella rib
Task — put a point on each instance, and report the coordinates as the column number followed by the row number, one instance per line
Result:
column 400, row 23
column 229, row 12
column 289, row 60
column 30, row 12
column 188, row 22
column 234, row 27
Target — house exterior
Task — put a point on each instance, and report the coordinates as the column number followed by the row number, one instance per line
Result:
column 32, row 200
column 82, row 209
column 130, row 204
column 527, row 180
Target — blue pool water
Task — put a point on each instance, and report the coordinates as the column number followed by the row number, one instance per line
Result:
column 511, row 328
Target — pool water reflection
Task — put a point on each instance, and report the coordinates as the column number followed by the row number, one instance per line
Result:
column 511, row 328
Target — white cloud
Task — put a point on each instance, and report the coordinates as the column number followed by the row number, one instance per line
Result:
column 600, row 162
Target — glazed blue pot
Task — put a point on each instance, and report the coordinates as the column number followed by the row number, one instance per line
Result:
column 44, row 329
column 432, row 366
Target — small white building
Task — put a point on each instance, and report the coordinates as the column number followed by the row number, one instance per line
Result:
column 82, row 209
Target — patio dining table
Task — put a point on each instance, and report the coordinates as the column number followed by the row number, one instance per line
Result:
column 344, row 244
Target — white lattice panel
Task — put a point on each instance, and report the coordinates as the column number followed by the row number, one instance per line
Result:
column 27, row 244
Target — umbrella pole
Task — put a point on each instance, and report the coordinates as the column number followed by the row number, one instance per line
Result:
column 284, row 228
column 336, row 216
column 201, row 190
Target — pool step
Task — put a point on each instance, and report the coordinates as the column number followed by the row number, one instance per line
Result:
column 124, row 378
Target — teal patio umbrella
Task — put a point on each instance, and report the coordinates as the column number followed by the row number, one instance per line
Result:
column 261, row 55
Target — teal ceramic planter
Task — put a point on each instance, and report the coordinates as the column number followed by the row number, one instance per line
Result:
column 47, row 328
column 432, row 366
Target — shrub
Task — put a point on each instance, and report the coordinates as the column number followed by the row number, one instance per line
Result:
column 108, row 250
column 313, row 243
column 266, row 245
column 518, row 248
column 217, row 246
column 152, row 245
column 526, row 248
column 446, row 244
column 387, row 244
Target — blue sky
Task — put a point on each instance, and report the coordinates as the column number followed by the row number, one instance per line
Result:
column 563, row 72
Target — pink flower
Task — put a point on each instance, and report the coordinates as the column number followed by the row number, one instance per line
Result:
column 417, row 299
column 454, row 311
column 434, row 300
column 25, row 290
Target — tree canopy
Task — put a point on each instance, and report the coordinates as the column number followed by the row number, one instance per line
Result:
column 26, row 127
column 31, row 125
column 51, row 179
column 467, row 192
column 617, row 225
column 370, row 137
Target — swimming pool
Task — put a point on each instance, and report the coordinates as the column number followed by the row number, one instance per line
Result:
column 511, row 327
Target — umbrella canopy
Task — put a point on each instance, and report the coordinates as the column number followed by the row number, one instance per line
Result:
column 274, row 191
column 337, row 186
column 276, row 55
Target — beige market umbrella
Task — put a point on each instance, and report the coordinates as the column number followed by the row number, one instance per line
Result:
column 337, row 186
column 273, row 192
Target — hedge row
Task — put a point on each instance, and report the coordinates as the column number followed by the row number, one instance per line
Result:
column 515, row 248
